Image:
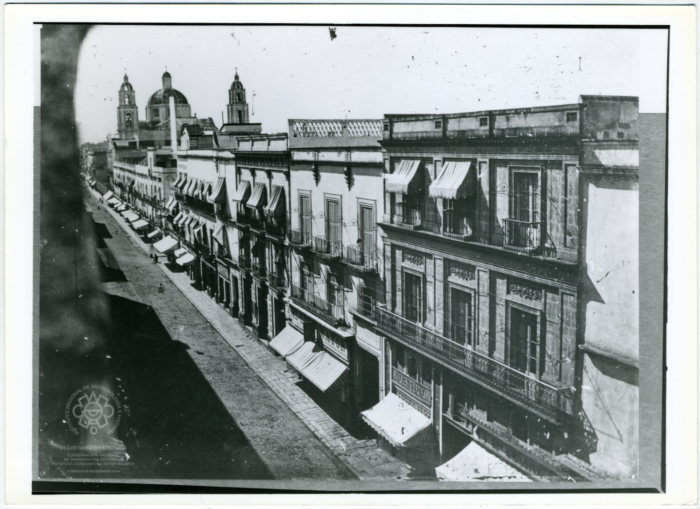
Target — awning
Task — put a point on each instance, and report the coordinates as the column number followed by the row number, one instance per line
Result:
column 191, row 220
column 401, row 179
column 476, row 464
column 166, row 245
column 276, row 206
column 397, row 421
column 242, row 193
column 107, row 195
column 189, row 187
column 198, row 188
column 179, row 252
column 178, row 218
column 455, row 181
column 180, row 178
column 153, row 234
column 219, row 194
column 187, row 259
column 113, row 201
column 130, row 216
column 259, row 196
column 170, row 205
column 139, row 225
column 121, row 207
column 318, row 367
column 287, row 341
column 618, row 158
column 219, row 232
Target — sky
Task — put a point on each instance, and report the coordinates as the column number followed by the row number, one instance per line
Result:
column 365, row 72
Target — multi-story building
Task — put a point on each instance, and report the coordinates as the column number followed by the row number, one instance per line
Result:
column 260, row 187
column 487, row 222
column 335, row 198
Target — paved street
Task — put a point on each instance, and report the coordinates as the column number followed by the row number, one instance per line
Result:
column 284, row 430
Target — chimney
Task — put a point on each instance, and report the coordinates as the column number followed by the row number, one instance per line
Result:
column 173, row 126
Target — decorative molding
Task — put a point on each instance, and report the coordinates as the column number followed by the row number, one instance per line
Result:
column 461, row 271
column 524, row 290
column 413, row 258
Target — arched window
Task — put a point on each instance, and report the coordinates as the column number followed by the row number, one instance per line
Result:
column 126, row 99
column 128, row 120
column 240, row 117
column 238, row 97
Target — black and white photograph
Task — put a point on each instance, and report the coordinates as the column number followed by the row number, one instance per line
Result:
column 319, row 256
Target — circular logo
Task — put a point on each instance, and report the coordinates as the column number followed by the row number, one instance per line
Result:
column 93, row 408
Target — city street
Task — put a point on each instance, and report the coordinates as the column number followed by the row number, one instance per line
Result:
column 195, row 408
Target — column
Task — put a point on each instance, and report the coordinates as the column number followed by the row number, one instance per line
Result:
column 439, row 296
column 482, row 312
column 499, row 352
column 398, row 305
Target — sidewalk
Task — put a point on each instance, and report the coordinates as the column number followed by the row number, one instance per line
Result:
column 363, row 457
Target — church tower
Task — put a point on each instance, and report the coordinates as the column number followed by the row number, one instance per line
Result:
column 237, row 105
column 127, row 112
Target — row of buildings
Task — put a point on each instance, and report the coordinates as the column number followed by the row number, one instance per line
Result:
column 442, row 282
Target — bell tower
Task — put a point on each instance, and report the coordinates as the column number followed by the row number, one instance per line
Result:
column 127, row 111
column 237, row 106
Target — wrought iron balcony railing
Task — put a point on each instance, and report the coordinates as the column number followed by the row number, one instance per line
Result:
column 331, row 313
column 362, row 260
column 275, row 227
column 300, row 238
column 408, row 216
column 330, row 248
column 256, row 223
column 529, row 392
column 259, row 270
column 521, row 236
column 276, row 280
column 366, row 303
column 243, row 261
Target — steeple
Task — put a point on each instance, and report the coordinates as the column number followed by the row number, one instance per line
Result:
column 127, row 111
column 237, row 106
column 167, row 79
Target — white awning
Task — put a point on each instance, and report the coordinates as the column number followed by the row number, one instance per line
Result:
column 130, row 216
column 618, row 158
column 121, row 207
column 396, row 420
column 455, row 181
column 189, row 187
column 287, row 341
column 139, row 225
column 180, row 180
column 476, row 464
column 259, row 197
column 219, row 232
column 107, row 195
column 113, row 201
column 318, row 367
column 242, row 193
column 166, row 245
column 189, row 221
column 179, row 252
column 197, row 193
column 276, row 206
column 401, row 179
column 187, row 259
column 170, row 202
column 219, row 193
column 153, row 234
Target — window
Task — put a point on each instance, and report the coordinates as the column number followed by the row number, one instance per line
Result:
column 333, row 221
column 606, row 135
column 305, row 217
column 572, row 116
column 525, row 198
column 126, row 99
column 427, row 372
column 449, row 216
column 386, row 127
column 620, row 135
column 413, row 297
column 334, row 290
column 240, row 117
column 525, row 350
column 238, row 97
column 412, row 366
column 367, row 230
column 461, row 317
column 484, row 122
column 156, row 113
column 438, row 124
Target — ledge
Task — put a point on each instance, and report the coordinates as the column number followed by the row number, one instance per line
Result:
column 611, row 356
column 345, row 334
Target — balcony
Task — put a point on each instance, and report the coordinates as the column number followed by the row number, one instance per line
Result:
column 259, row 270
column 531, row 393
column 364, row 261
column 244, row 262
column 300, row 238
column 366, row 303
column 521, row 236
column 331, row 313
column 256, row 224
column 332, row 249
column 242, row 219
column 276, row 280
column 275, row 227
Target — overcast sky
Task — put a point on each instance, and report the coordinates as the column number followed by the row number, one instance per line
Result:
column 298, row 72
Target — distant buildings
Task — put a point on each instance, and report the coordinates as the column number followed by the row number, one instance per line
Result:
column 434, row 280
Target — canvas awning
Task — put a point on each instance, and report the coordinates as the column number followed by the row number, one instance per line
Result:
column 242, row 193
column 455, row 181
column 153, row 234
column 476, row 464
column 402, row 178
column 288, row 341
column 166, row 245
column 318, row 367
column 618, row 158
column 259, row 196
column 397, row 421
column 107, row 195
column 219, row 232
column 198, row 231
column 170, row 205
column 187, row 221
column 187, row 259
column 198, row 188
column 219, row 193
column 179, row 252
column 139, row 225
column 130, row 216
column 189, row 187
column 276, row 206
column 113, row 201
column 180, row 179
column 120, row 208
column 178, row 218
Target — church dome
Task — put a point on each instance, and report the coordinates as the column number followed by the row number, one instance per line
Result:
column 163, row 95
column 236, row 82
column 126, row 85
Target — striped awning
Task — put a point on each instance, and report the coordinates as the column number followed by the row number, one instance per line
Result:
column 455, row 181
column 277, row 203
column 242, row 193
column 219, row 232
column 402, row 178
column 198, row 188
column 180, row 180
column 259, row 196
column 178, row 218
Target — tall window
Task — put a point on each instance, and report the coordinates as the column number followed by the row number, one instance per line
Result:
column 333, row 222
column 240, row 117
column 525, row 351
column 461, row 317
column 305, row 217
column 413, row 297
column 367, row 231
column 334, row 290
column 525, row 197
